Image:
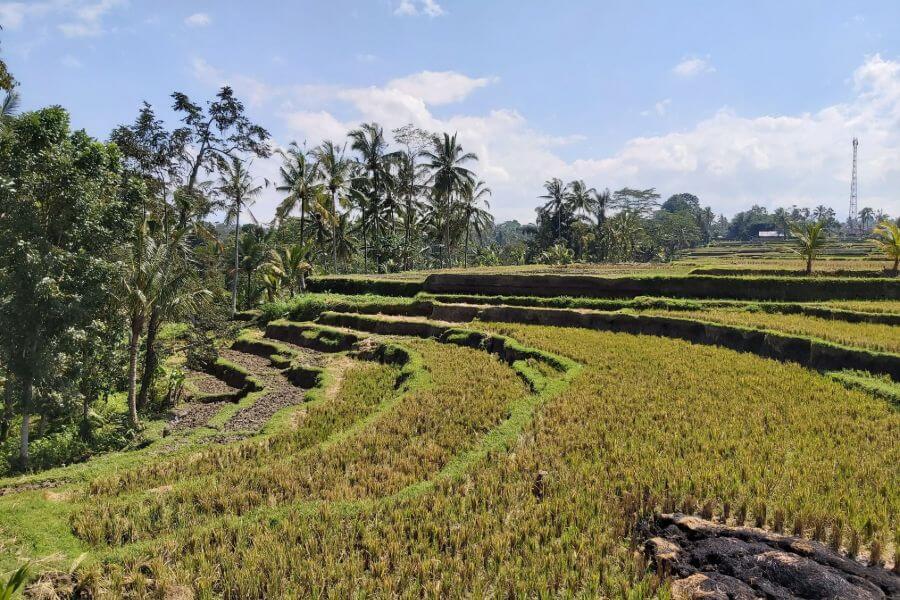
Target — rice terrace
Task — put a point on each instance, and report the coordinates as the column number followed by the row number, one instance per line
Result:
column 406, row 344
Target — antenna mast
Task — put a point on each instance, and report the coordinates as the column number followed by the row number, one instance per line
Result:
column 851, row 218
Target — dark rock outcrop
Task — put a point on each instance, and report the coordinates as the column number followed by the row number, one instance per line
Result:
column 710, row 560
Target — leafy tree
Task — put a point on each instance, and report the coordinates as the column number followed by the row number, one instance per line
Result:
column 641, row 202
column 210, row 140
column 61, row 222
column 688, row 203
column 808, row 239
column 888, row 241
column 7, row 83
column 674, row 231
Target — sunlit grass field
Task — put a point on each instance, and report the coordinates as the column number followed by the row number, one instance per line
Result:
column 648, row 424
column 873, row 336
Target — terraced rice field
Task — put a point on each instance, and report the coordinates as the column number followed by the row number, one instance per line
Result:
column 873, row 336
column 389, row 455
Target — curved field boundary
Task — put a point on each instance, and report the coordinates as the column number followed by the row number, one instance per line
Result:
column 809, row 352
column 725, row 271
column 690, row 286
column 413, row 375
column 644, row 303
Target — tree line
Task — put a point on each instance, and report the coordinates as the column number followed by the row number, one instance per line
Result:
column 115, row 254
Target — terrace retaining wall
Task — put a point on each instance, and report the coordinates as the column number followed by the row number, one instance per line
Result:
column 695, row 286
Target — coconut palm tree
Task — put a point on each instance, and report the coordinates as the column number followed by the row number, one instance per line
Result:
column 408, row 186
column 10, row 106
column 290, row 266
column 808, row 240
column 580, row 198
column 888, row 241
column 475, row 219
column 140, row 285
column 335, row 171
column 447, row 177
column 298, row 176
column 237, row 185
column 556, row 202
column 866, row 217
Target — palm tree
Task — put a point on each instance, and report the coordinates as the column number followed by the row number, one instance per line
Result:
column 290, row 265
column 10, row 106
column 866, row 216
column 335, row 171
column 447, row 178
column 556, row 201
column 475, row 218
column 342, row 238
column 408, row 187
column 298, row 175
column 141, row 283
column 237, row 185
column 809, row 239
column 783, row 220
column 580, row 198
column 889, row 242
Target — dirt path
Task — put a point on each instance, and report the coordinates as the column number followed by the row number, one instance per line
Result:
column 278, row 392
column 207, row 384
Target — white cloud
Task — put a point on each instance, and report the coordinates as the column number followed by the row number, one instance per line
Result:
column 71, row 62
column 412, row 8
column 659, row 109
column 730, row 161
column 88, row 20
column 693, row 66
column 439, row 87
column 254, row 91
column 366, row 58
column 81, row 18
column 198, row 20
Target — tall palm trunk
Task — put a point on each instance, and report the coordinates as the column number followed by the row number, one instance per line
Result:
column 151, row 358
column 6, row 419
column 466, row 248
column 25, row 408
column 334, row 230
column 234, row 281
column 408, row 225
column 302, row 221
column 137, row 325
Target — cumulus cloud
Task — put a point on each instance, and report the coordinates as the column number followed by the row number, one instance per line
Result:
column 198, row 20
column 729, row 160
column 412, row 8
column 438, row 87
column 693, row 66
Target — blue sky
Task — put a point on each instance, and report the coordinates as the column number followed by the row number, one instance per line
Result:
column 737, row 102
